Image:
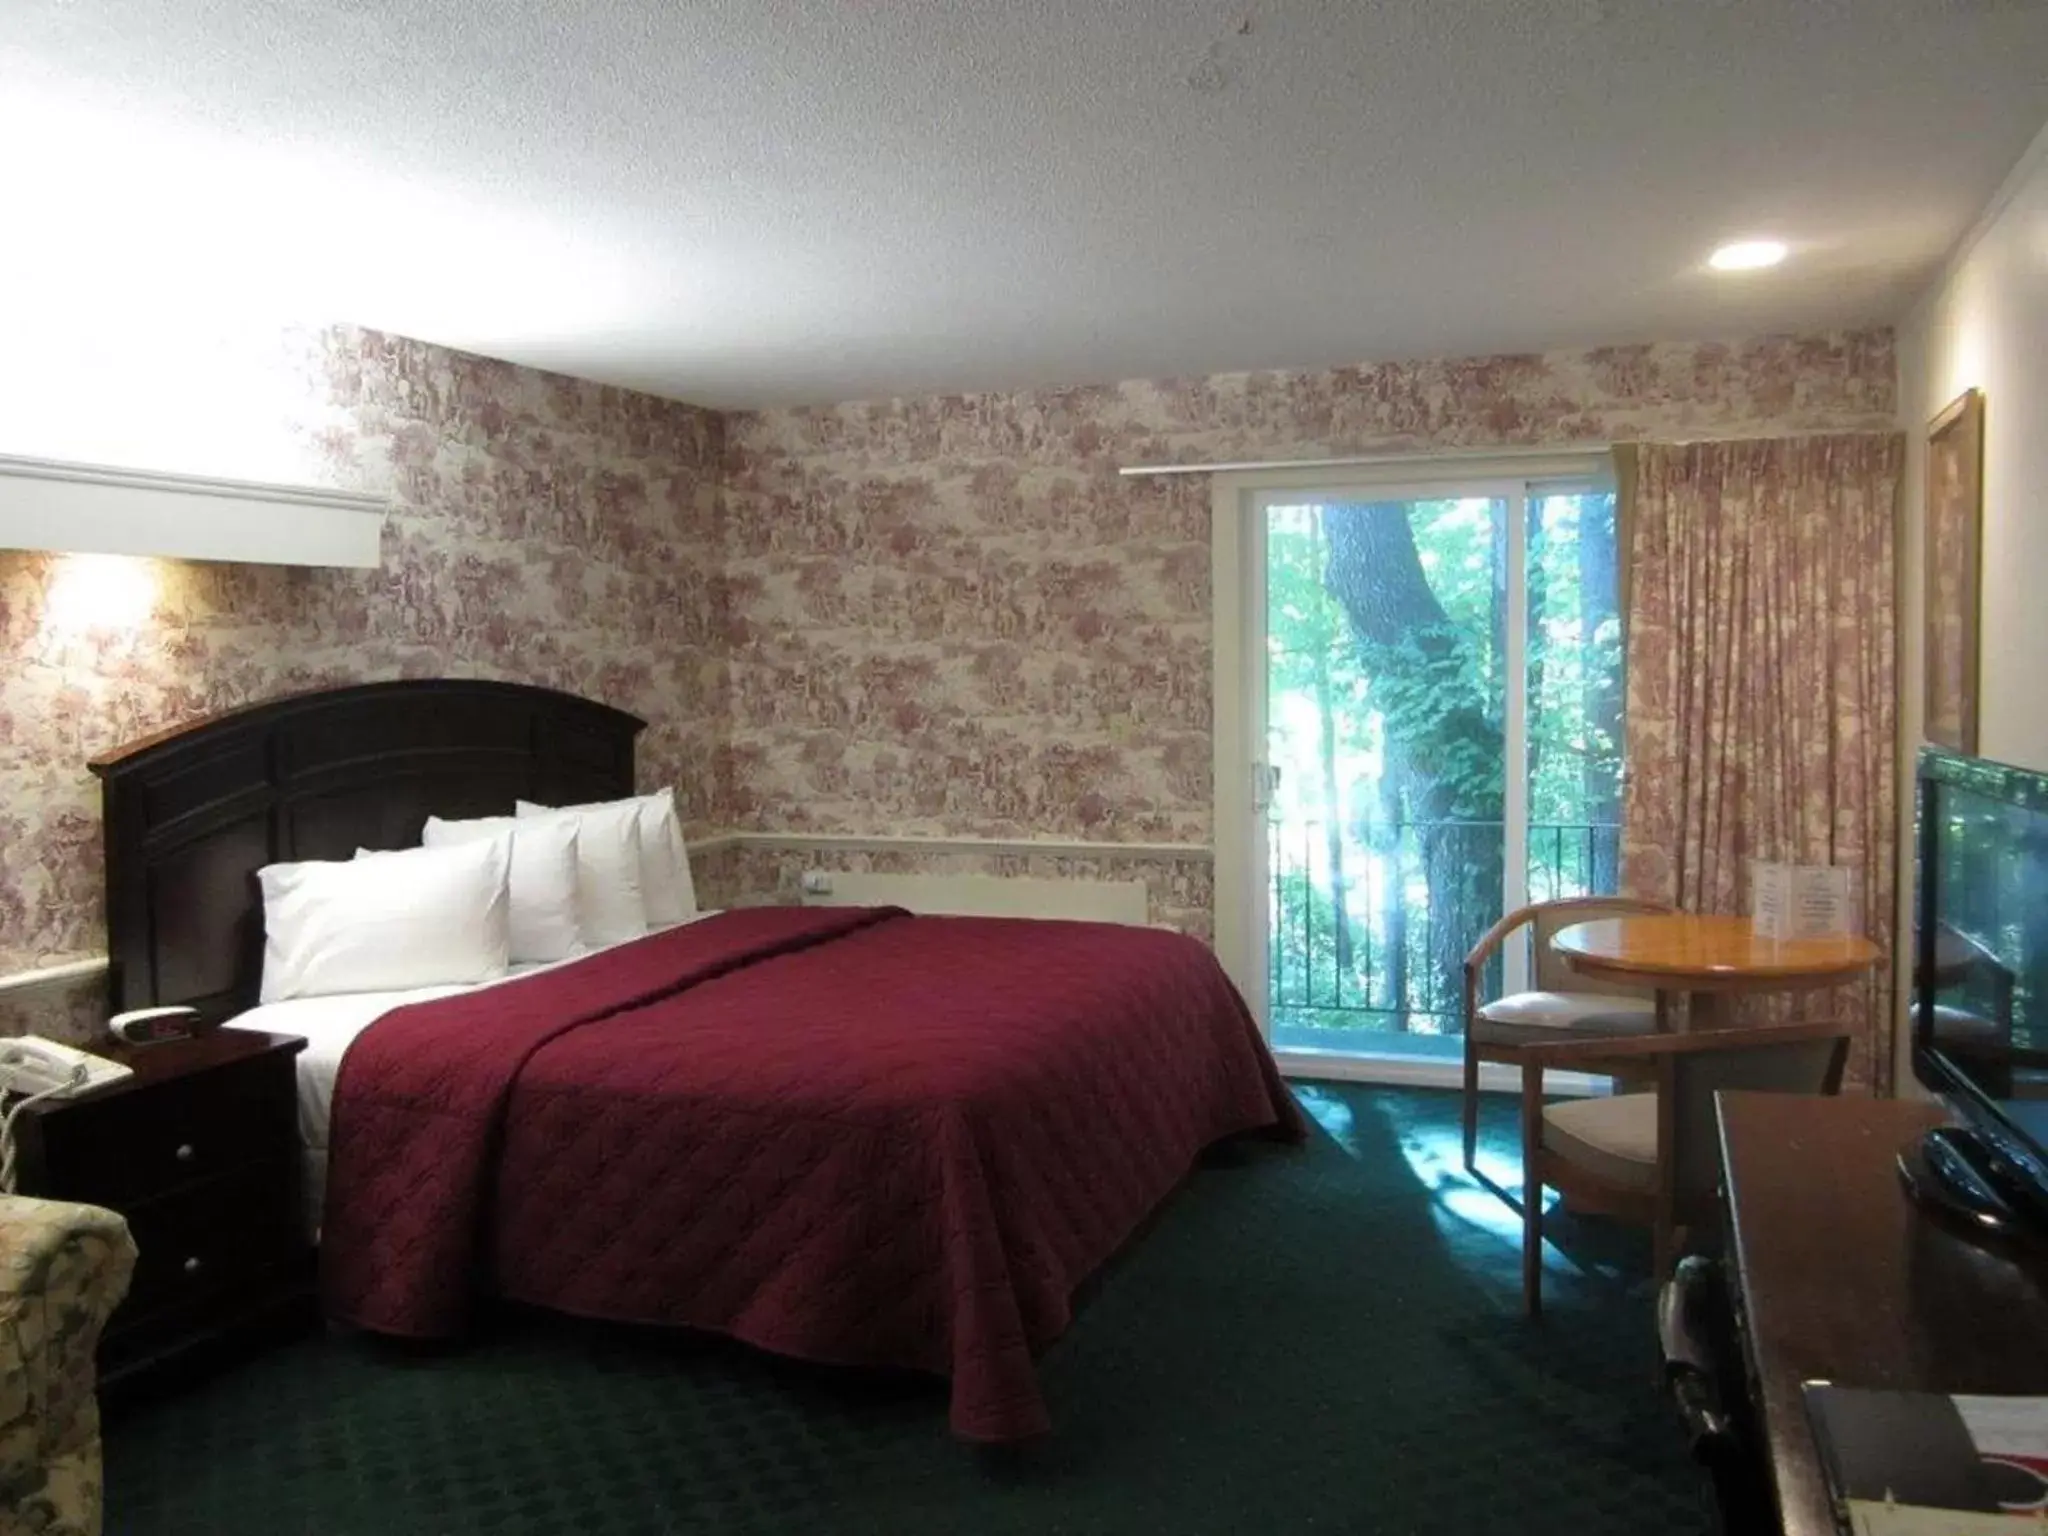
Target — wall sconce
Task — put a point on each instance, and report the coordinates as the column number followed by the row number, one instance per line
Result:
column 98, row 593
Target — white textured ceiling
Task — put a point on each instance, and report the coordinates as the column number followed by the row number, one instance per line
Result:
column 757, row 201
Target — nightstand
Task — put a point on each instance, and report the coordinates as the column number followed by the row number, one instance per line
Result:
column 199, row 1150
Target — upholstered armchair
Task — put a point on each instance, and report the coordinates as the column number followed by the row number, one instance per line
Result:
column 63, row 1270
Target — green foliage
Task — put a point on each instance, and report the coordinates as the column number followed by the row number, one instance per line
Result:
column 1303, row 966
column 1391, row 739
column 1419, row 685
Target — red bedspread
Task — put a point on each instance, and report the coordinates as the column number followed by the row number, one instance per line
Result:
column 856, row 1137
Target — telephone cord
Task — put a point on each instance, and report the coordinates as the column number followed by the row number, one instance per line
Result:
column 14, row 1114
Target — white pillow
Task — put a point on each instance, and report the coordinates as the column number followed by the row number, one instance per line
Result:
column 422, row 918
column 547, row 921
column 607, row 868
column 665, row 884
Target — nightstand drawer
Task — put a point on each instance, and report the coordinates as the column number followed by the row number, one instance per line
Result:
column 198, row 1149
column 213, row 1240
column 136, row 1146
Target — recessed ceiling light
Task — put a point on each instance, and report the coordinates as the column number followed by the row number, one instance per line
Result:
column 1748, row 255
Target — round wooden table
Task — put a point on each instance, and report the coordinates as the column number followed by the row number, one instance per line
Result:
column 1708, row 958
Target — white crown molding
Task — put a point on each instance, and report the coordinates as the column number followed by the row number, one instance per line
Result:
column 856, row 842
column 94, row 509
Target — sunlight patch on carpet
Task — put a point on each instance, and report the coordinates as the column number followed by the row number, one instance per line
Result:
column 1460, row 1203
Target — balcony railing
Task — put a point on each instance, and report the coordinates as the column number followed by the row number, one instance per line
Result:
column 1379, row 947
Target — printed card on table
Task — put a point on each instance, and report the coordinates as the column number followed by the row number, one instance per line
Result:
column 1801, row 901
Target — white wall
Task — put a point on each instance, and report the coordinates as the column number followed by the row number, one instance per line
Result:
column 1984, row 325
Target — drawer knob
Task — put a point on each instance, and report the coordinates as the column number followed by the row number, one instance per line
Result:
column 192, row 1266
column 185, row 1153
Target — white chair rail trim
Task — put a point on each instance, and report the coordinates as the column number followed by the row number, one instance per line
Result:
column 860, row 842
column 51, row 978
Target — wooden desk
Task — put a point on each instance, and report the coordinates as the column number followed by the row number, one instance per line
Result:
column 1839, row 1276
column 1707, row 957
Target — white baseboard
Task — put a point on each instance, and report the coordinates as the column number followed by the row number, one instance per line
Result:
column 1418, row 1072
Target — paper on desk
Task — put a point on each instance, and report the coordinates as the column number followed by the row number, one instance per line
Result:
column 1933, row 1463
column 2009, row 1430
column 2006, row 1428
column 1868, row 1519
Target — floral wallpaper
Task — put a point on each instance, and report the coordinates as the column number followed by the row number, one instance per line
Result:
column 895, row 618
column 953, row 616
column 543, row 529
column 1180, row 889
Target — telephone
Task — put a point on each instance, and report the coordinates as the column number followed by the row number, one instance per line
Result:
column 33, row 1069
column 36, row 1067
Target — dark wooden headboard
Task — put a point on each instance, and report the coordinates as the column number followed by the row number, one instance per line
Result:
column 192, row 813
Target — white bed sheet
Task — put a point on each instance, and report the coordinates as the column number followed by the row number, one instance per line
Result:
column 329, row 1026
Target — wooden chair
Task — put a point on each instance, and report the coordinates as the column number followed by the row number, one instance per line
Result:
column 1652, row 1157
column 1563, row 1005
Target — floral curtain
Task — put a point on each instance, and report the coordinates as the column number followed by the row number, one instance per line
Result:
column 1762, row 685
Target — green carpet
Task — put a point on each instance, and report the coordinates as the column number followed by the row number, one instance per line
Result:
column 1325, row 1339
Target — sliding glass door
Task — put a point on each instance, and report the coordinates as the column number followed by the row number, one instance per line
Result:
column 1435, row 710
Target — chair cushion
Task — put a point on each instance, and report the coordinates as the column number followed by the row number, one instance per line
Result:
column 1613, row 1139
column 1562, row 1010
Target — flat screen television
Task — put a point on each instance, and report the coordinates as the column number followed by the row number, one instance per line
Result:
column 1980, row 988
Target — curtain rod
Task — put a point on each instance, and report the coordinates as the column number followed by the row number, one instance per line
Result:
column 1477, row 455
column 1505, row 451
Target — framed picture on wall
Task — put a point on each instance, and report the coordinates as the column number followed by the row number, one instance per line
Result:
column 1955, row 513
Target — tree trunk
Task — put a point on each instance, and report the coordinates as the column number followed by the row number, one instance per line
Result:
column 1393, row 894
column 1535, row 652
column 1333, row 828
column 1431, row 691
column 1600, row 778
column 1535, row 646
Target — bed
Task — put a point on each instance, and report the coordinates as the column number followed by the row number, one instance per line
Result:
column 844, row 1134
